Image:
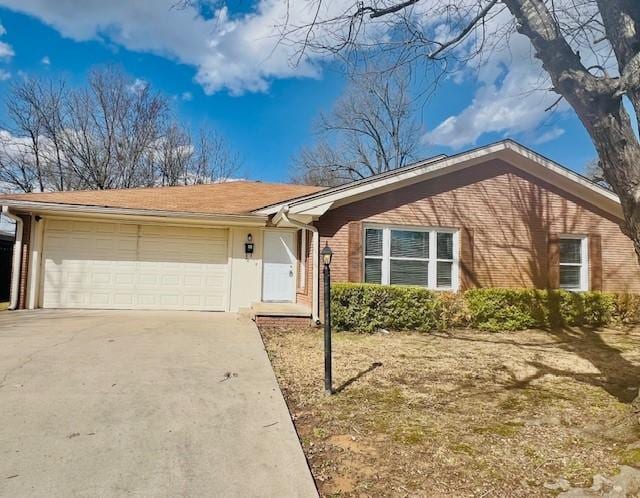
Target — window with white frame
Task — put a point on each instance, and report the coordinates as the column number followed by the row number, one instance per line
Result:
column 411, row 256
column 574, row 264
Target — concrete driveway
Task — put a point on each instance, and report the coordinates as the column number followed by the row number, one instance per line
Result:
column 97, row 403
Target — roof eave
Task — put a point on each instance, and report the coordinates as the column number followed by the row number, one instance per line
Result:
column 81, row 210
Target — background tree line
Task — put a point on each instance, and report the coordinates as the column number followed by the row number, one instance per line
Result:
column 113, row 132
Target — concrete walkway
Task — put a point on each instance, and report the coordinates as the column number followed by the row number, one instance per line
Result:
column 97, row 403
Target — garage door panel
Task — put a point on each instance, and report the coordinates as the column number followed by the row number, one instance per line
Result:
column 124, row 266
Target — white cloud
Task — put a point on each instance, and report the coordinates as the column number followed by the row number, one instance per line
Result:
column 510, row 97
column 6, row 51
column 186, row 96
column 238, row 52
column 45, row 60
column 549, row 136
column 510, row 101
column 4, row 75
column 138, row 85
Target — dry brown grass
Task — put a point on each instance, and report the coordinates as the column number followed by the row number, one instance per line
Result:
column 466, row 414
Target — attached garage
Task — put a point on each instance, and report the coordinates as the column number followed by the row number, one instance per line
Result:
column 191, row 247
column 105, row 265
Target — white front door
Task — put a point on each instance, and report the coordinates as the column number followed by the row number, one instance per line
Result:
column 279, row 267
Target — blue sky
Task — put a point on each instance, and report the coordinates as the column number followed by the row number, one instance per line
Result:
column 252, row 95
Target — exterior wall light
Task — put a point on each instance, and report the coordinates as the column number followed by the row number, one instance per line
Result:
column 248, row 245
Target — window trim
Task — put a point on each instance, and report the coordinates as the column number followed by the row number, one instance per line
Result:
column 433, row 254
column 584, row 261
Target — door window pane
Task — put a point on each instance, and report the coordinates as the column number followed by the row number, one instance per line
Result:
column 409, row 272
column 405, row 244
column 373, row 242
column 373, row 271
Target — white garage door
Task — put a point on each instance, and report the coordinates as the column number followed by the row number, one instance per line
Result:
column 124, row 266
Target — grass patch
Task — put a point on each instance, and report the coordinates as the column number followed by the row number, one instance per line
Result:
column 464, row 449
column 506, row 429
column 513, row 403
column 382, row 398
column 409, row 435
column 4, row 306
column 466, row 413
column 630, row 456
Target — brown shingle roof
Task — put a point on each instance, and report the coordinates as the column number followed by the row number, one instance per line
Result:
column 238, row 197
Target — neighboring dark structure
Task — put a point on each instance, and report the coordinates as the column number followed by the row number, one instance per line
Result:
column 6, row 256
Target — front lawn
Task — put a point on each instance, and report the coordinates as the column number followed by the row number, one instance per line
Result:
column 465, row 413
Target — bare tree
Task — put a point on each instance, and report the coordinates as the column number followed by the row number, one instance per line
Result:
column 112, row 133
column 111, row 125
column 18, row 170
column 213, row 159
column 173, row 156
column 370, row 130
column 22, row 162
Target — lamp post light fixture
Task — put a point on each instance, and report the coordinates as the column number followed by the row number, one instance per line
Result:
column 327, row 254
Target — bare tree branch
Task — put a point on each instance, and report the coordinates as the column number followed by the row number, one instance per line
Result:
column 370, row 130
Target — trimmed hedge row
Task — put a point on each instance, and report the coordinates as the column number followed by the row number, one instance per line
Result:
column 370, row 307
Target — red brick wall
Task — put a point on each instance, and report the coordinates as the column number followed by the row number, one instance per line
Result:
column 511, row 215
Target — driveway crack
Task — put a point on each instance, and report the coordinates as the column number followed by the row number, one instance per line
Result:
column 30, row 356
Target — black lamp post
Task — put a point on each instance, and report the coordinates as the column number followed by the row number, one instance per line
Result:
column 327, row 254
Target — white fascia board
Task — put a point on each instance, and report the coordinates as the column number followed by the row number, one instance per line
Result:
column 77, row 210
column 317, row 204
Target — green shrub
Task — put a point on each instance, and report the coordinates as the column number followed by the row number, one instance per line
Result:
column 503, row 309
column 519, row 309
column 369, row 307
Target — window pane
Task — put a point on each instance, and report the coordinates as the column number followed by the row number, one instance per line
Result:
column 443, row 274
column 570, row 251
column 445, row 246
column 373, row 242
column 406, row 272
column 570, row 277
column 406, row 244
column 373, row 271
